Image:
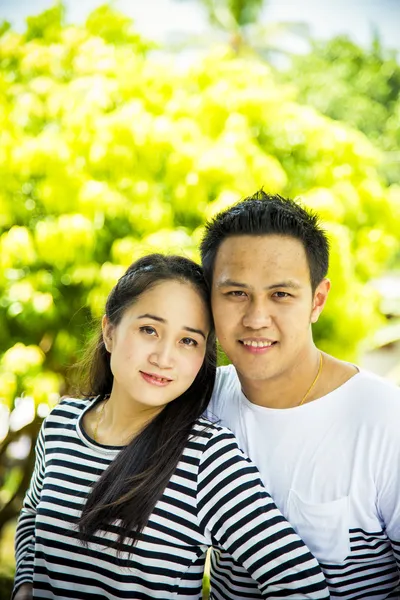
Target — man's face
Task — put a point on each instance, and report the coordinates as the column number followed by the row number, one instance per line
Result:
column 263, row 304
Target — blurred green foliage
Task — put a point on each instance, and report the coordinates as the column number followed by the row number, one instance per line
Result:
column 109, row 150
column 232, row 14
column 242, row 26
column 360, row 87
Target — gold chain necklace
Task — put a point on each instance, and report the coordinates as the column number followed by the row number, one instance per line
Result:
column 314, row 382
column 96, row 426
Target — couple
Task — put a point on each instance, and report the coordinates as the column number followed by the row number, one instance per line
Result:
column 132, row 483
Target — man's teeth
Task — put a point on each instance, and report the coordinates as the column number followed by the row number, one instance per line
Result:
column 257, row 344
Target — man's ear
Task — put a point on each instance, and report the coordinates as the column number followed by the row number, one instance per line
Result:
column 320, row 297
column 107, row 329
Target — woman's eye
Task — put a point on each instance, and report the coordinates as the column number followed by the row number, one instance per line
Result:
column 189, row 342
column 148, row 330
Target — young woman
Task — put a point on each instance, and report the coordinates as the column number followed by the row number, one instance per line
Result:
column 131, row 485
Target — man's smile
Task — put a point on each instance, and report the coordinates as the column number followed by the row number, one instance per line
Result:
column 257, row 342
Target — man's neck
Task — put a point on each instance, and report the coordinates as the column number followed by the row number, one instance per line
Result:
column 289, row 388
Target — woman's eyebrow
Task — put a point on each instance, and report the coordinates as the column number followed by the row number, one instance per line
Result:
column 161, row 320
column 192, row 330
column 149, row 316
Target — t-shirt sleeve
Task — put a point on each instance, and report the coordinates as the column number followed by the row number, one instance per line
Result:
column 236, row 513
column 224, row 379
column 25, row 534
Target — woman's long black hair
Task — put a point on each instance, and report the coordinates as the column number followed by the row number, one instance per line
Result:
column 129, row 488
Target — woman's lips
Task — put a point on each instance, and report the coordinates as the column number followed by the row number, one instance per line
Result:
column 155, row 379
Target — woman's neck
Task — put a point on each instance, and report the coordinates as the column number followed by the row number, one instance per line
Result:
column 120, row 419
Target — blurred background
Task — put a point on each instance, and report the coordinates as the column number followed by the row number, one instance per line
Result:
column 124, row 126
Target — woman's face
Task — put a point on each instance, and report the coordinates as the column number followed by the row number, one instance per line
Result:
column 159, row 345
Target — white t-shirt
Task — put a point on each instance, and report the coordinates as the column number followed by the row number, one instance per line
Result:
column 333, row 468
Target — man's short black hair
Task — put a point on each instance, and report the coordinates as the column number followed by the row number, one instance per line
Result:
column 265, row 214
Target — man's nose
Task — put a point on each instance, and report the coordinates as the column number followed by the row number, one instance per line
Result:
column 257, row 315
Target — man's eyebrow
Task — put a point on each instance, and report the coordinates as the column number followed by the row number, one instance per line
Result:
column 284, row 284
column 231, row 283
column 161, row 320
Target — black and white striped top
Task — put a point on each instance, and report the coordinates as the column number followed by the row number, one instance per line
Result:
column 214, row 496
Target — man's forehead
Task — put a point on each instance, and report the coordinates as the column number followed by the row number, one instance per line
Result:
column 240, row 250
column 268, row 239
column 270, row 256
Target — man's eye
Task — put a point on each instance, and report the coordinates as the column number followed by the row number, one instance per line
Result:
column 237, row 294
column 189, row 342
column 148, row 330
column 281, row 295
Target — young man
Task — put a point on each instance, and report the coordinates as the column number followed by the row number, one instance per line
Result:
column 324, row 434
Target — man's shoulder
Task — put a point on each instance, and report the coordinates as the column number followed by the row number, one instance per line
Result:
column 226, row 375
column 371, row 384
column 374, row 399
column 227, row 388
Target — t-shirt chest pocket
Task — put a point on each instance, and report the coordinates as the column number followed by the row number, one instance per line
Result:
column 324, row 526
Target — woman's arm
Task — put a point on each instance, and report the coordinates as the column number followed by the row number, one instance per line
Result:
column 236, row 513
column 24, row 592
column 25, row 534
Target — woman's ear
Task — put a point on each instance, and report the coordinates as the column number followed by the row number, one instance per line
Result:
column 107, row 329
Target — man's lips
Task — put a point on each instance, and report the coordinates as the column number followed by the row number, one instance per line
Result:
column 257, row 345
column 155, row 379
column 257, row 342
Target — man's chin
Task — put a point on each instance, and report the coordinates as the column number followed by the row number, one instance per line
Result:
column 252, row 373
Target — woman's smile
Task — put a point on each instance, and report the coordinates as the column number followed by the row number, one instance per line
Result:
column 155, row 379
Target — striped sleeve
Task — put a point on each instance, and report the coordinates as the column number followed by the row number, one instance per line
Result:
column 394, row 540
column 25, row 534
column 388, row 485
column 238, row 515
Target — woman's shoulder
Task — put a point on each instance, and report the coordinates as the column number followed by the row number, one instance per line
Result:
column 207, row 432
column 68, row 408
column 213, row 446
